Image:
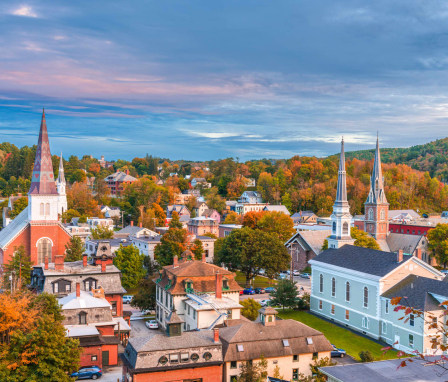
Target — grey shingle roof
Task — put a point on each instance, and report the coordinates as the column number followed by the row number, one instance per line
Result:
column 407, row 243
column 418, row 290
column 366, row 260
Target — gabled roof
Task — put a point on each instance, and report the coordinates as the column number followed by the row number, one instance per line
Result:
column 195, row 268
column 17, row 225
column 394, row 213
column 133, row 230
column 365, row 260
column 277, row 208
column 313, row 239
column 419, row 292
column 408, row 243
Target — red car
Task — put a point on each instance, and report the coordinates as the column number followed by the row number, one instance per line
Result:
column 241, row 291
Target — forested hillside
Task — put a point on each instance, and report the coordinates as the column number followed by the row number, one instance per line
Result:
column 431, row 157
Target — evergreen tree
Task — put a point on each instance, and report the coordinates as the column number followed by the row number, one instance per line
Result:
column 74, row 249
column 129, row 261
column 17, row 273
column 286, row 294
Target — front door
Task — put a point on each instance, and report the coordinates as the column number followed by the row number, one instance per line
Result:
column 105, row 358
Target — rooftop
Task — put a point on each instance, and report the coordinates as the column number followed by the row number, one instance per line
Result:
column 85, row 300
column 210, row 302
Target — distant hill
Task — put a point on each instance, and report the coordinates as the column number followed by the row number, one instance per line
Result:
column 431, row 157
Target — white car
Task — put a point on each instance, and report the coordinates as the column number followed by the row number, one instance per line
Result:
column 152, row 324
column 296, row 273
column 264, row 302
column 127, row 299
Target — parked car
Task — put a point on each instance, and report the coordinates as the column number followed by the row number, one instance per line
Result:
column 336, row 352
column 305, row 275
column 259, row 290
column 269, row 289
column 152, row 324
column 88, row 372
column 295, row 272
column 249, row 291
column 241, row 291
column 282, row 276
column 127, row 299
column 265, row 302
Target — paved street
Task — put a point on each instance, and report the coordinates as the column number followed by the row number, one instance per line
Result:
column 111, row 374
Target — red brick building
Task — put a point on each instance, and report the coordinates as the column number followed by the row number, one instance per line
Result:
column 37, row 227
column 118, row 180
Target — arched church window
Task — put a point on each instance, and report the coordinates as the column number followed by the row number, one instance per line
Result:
column 42, row 209
column 383, row 215
column 47, row 209
column 334, row 227
column 345, row 229
column 371, row 214
column 43, row 250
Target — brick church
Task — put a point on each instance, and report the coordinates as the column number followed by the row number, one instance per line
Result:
column 38, row 227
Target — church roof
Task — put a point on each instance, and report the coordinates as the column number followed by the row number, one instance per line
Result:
column 61, row 177
column 16, row 226
column 42, row 181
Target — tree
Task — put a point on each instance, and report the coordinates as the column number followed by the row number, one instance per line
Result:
column 251, row 250
column 175, row 222
column 438, row 243
column 102, row 232
column 74, row 249
column 277, row 223
column 172, row 243
column 197, row 249
column 145, row 298
column 363, row 239
column 286, row 294
column 17, row 273
column 232, row 218
column 68, row 215
column 251, row 218
column 80, row 198
column 78, row 176
column 250, row 308
column 215, row 201
column 254, row 371
column 38, row 349
column 18, row 206
column 159, row 214
column 129, row 261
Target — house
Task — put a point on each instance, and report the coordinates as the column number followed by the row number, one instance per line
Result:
column 306, row 245
column 199, row 208
column 212, row 214
column 179, row 208
column 133, row 230
column 287, row 344
column 38, row 227
column 201, row 225
column 200, row 182
column 406, row 215
column 174, row 355
column 93, row 246
column 226, row 229
column 276, row 208
column 250, row 197
column 188, row 278
column 105, row 164
column 146, row 244
column 95, row 222
column 118, row 180
column 80, row 230
column 88, row 318
column 419, row 370
column 304, row 217
column 186, row 195
column 348, row 283
column 111, row 212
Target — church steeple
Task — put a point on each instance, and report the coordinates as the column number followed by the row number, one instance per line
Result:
column 376, row 206
column 61, row 176
column 341, row 218
column 42, row 182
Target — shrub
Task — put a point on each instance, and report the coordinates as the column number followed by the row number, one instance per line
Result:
column 366, row 356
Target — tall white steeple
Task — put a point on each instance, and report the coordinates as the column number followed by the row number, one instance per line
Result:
column 61, row 185
column 341, row 218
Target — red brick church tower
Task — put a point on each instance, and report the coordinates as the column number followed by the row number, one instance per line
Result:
column 38, row 227
column 376, row 220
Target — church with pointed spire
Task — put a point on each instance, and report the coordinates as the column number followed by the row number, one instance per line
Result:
column 341, row 218
column 38, row 227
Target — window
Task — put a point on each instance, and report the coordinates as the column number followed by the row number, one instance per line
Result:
column 229, row 314
column 332, row 309
column 207, row 356
column 93, row 358
column 295, row 358
column 47, row 209
column 43, row 250
column 321, row 283
column 295, row 374
column 411, row 320
column 240, row 348
column 366, row 297
column 285, row 343
column 233, row 364
column 383, row 214
column 411, row 340
column 384, row 328
column 184, row 357
column 347, row 314
column 309, row 340
column 333, row 287
column 315, row 355
column 347, row 291
column 365, row 322
column 42, row 209
column 174, row 358
column 320, row 304
column 194, row 313
column 345, row 229
column 163, row 360
column 114, row 308
column 90, row 283
column 334, row 227
column 82, row 316
column 188, row 311
column 56, row 288
column 387, row 306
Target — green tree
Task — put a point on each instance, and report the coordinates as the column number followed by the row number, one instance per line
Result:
column 18, row 206
column 363, row 239
column 197, row 248
column 102, row 232
column 175, row 222
column 214, row 200
column 17, row 272
column 172, row 243
column 78, row 176
column 286, row 294
column 438, row 243
column 251, row 250
column 250, row 308
column 129, row 261
column 74, row 249
column 254, row 371
column 41, row 352
column 145, row 298
column 69, row 215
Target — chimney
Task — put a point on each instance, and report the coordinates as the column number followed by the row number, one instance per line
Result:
column 140, row 225
column 175, row 262
column 78, row 289
column 46, row 263
column 127, row 172
column 419, row 253
column 132, row 223
column 84, row 260
column 400, row 256
column 218, row 286
column 103, row 265
column 216, row 335
column 59, row 262
column 203, row 257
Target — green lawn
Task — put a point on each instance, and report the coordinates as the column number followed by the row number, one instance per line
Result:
column 259, row 282
column 345, row 339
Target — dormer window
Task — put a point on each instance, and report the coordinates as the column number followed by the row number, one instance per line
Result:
column 90, row 283
column 225, row 284
column 188, row 286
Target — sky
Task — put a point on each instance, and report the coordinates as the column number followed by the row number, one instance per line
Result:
column 203, row 80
